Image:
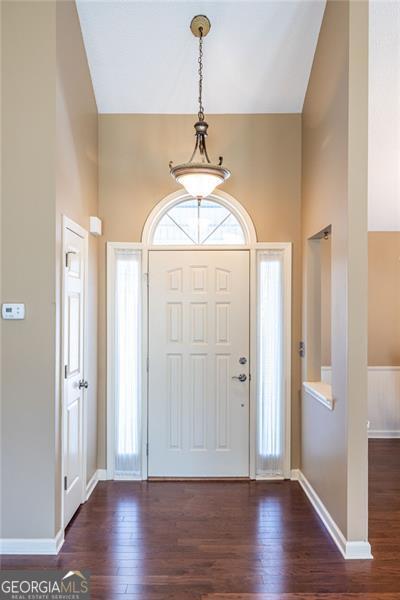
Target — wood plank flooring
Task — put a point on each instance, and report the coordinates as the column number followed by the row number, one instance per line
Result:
column 228, row 541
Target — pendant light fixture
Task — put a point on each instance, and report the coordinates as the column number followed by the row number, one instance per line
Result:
column 199, row 176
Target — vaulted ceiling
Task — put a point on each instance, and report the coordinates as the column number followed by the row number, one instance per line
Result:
column 257, row 56
column 384, row 116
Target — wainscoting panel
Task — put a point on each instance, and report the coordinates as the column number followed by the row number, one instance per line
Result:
column 383, row 400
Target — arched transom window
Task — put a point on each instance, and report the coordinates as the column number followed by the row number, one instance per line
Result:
column 192, row 223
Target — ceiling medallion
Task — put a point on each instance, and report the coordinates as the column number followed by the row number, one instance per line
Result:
column 199, row 176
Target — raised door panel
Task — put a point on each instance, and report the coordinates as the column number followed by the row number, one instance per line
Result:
column 222, row 281
column 174, row 322
column 222, row 322
column 73, row 443
column 198, row 322
column 174, row 399
column 199, row 279
column 74, row 333
column 222, row 396
column 198, row 401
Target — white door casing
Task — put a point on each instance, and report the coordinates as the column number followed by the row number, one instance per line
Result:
column 74, row 251
column 198, row 331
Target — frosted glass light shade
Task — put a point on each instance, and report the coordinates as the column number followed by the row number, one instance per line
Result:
column 199, row 185
column 199, row 179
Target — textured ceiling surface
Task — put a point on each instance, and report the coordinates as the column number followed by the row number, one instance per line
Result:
column 257, row 56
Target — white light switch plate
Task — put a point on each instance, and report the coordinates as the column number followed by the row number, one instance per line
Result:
column 13, row 311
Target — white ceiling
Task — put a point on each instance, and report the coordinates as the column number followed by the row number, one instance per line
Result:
column 384, row 116
column 257, row 56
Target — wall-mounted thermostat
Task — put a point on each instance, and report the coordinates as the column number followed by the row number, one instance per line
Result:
column 13, row 311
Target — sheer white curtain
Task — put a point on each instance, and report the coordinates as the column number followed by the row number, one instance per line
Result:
column 127, row 363
column 270, row 389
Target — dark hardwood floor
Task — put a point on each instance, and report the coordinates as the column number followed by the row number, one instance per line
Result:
column 216, row 541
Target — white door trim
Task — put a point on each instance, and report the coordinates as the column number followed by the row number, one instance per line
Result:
column 286, row 247
column 67, row 223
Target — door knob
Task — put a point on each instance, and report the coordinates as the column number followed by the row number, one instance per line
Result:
column 242, row 377
column 83, row 384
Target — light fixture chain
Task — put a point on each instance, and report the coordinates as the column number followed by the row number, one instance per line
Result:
column 200, row 61
column 199, row 176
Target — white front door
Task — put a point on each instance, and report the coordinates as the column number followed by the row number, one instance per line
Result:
column 73, row 331
column 198, row 346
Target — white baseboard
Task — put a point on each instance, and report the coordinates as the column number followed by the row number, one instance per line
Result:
column 91, row 485
column 350, row 550
column 102, row 474
column 46, row 545
column 383, row 434
column 33, row 545
column 99, row 475
column 358, row 551
column 295, row 475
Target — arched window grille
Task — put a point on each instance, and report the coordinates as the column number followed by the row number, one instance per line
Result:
column 199, row 223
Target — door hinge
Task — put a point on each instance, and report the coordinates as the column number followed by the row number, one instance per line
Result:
column 147, row 279
column 65, row 371
column 147, row 449
column 302, row 349
column 65, row 483
column 147, row 364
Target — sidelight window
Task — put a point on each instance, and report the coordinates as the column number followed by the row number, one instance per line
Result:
column 271, row 378
column 127, row 364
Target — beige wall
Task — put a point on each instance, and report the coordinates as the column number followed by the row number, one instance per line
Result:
column 77, row 179
column 334, row 192
column 49, row 149
column 28, row 412
column 264, row 155
column 50, row 168
column 384, row 298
